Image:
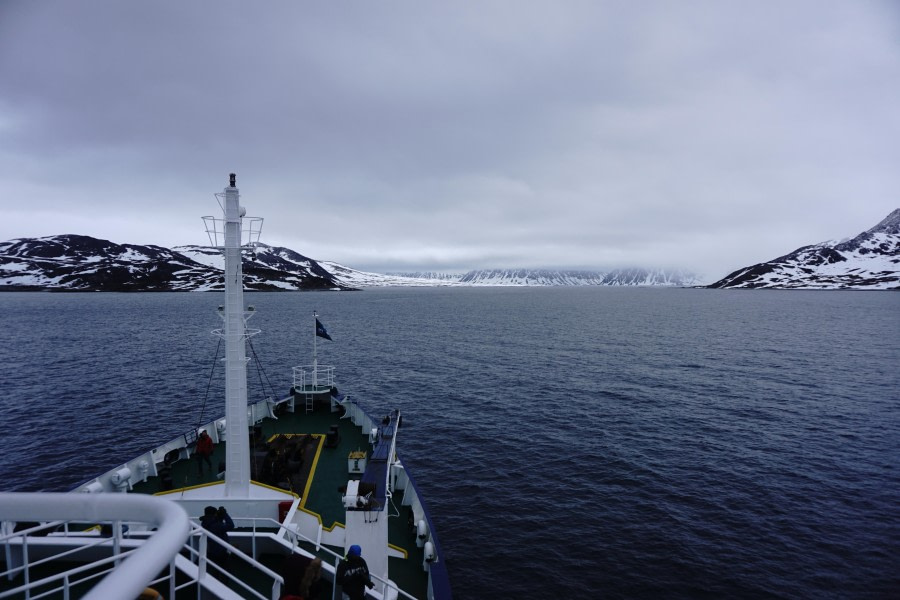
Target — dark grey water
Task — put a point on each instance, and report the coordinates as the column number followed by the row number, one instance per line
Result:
column 570, row 442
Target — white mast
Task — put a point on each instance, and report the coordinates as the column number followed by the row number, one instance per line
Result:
column 237, row 455
column 235, row 333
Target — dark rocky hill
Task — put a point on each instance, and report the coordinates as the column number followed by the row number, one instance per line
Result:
column 82, row 263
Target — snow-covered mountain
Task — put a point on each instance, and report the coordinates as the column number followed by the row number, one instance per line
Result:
column 513, row 277
column 77, row 262
column 531, row 277
column 270, row 267
column 435, row 276
column 652, row 277
column 353, row 278
column 655, row 277
column 869, row 261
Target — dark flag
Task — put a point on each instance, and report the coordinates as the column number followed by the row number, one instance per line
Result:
column 320, row 331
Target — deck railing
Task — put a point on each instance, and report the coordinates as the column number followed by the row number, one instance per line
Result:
column 116, row 564
column 127, row 572
column 128, row 557
column 385, row 584
column 305, row 375
column 259, row 523
column 199, row 556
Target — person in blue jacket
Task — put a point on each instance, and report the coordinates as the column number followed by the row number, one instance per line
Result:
column 353, row 574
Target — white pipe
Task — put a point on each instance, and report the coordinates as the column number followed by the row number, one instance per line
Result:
column 141, row 567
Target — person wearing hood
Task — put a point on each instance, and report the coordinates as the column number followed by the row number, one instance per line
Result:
column 353, row 574
column 218, row 523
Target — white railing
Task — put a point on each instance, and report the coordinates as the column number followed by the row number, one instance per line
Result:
column 259, row 523
column 125, row 578
column 124, row 564
column 384, row 583
column 306, row 374
column 198, row 555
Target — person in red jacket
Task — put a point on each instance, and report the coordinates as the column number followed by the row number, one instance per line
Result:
column 203, row 451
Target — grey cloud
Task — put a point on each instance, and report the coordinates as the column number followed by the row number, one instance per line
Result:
column 458, row 135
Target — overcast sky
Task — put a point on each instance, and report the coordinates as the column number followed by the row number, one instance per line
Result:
column 410, row 135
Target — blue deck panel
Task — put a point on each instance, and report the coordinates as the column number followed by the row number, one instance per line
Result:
column 376, row 468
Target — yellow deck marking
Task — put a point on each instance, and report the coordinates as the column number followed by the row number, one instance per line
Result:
column 319, row 519
column 277, row 489
column 190, row 487
column 399, row 549
column 288, row 435
column 312, row 473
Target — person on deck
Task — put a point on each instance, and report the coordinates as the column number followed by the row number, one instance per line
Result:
column 311, row 586
column 218, row 523
column 293, row 569
column 353, row 574
column 204, row 450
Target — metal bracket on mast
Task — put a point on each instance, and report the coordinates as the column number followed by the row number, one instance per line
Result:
column 251, row 229
column 248, row 333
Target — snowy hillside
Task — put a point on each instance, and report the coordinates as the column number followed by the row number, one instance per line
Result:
column 430, row 275
column 513, row 277
column 531, row 277
column 353, row 278
column 77, row 262
column 655, row 277
column 869, row 261
column 273, row 266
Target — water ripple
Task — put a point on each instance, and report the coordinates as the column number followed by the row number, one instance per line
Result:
column 618, row 443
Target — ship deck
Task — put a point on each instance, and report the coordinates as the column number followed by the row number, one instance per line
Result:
column 316, row 480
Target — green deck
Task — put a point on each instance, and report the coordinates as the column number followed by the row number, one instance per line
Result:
column 328, row 468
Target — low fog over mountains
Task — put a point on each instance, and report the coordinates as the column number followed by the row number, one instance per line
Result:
column 871, row 260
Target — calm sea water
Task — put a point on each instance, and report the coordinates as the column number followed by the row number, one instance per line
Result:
column 570, row 442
